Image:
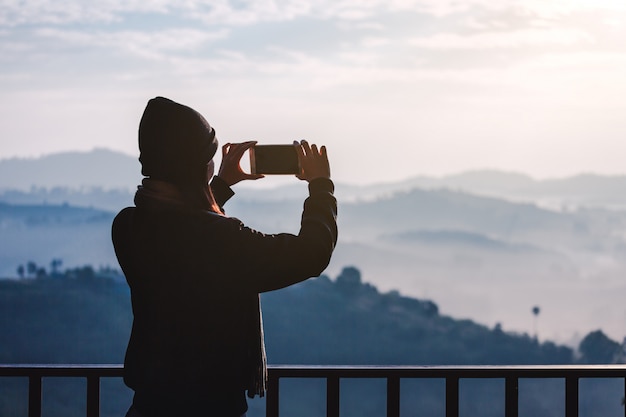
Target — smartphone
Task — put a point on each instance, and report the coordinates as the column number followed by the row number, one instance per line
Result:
column 274, row 160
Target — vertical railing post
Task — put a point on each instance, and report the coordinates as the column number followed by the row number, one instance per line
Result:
column 452, row 396
column 332, row 396
column 393, row 396
column 34, row 396
column 571, row 396
column 511, row 396
column 272, row 395
column 93, row 396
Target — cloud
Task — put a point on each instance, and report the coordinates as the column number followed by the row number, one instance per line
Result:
column 246, row 12
column 162, row 40
column 60, row 12
column 330, row 42
column 511, row 39
column 557, row 8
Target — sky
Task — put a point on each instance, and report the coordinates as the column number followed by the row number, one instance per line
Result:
column 393, row 88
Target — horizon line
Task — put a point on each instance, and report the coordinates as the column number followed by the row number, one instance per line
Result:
column 436, row 176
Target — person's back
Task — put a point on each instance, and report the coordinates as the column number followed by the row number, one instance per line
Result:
column 195, row 275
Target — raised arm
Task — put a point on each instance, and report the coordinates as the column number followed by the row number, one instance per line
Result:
column 262, row 262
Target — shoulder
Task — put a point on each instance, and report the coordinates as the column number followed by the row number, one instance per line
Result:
column 122, row 223
column 124, row 217
column 125, row 213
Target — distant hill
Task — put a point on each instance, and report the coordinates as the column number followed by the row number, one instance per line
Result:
column 481, row 257
column 94, row 173
column 91, row 197
column 589, row 190
column 74, row 170
column 41, row 233
column 320, row 313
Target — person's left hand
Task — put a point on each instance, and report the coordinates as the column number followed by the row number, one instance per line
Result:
column 230, row 169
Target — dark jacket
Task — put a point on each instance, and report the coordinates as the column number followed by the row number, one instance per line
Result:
column 194, row 278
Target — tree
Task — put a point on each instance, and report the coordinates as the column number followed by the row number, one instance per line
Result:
column 536, row 310
column 620, row 356
column 20, row 271
column 597, row 348
column 85, row 273
column 55, row 264
column 31, row 268
column 349, row 280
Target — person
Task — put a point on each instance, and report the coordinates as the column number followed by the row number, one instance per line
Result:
column 195, row 274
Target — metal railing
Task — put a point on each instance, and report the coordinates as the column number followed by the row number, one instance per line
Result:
column 451, row 374
column 333, row 374
column 36, row 373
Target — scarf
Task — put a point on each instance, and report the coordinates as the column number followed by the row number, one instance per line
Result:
column 155, row 194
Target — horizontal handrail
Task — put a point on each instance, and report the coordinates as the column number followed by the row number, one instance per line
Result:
column 462, row 371
column 62, row 370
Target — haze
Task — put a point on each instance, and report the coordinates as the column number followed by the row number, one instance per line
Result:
column 393, row 88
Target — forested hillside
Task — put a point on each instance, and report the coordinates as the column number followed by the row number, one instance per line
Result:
column 83, row 315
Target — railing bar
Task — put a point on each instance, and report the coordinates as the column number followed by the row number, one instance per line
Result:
column 521, row 371
column 536, row 371
column 272, row 397
column 93, row 396
column 511, row 396
column 452, row 396
column 34, row 396
column 571, row 396
column 393, row 396
column 332, row 396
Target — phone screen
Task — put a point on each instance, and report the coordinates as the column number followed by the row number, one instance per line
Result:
column 274, row 160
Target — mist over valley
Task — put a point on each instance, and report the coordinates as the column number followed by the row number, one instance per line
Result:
column 483, row 245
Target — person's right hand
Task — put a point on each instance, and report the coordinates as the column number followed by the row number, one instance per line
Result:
column 230, row 168
column 313, row 162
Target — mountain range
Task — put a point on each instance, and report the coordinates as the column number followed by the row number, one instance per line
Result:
column 103, row 169
column 484, row 245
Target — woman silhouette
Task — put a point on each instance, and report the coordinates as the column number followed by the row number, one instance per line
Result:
column 195, row 275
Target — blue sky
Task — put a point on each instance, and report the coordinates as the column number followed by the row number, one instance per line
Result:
column 393, row 88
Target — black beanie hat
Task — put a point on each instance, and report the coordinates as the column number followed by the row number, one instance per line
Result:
column 175, row 142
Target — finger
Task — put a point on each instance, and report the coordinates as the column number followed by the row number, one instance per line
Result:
column 239, row 148
column 299, row 149
column 248, row 145
column 324, row 154
column 314, row 150
column 225, row 149
column 305, row 147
